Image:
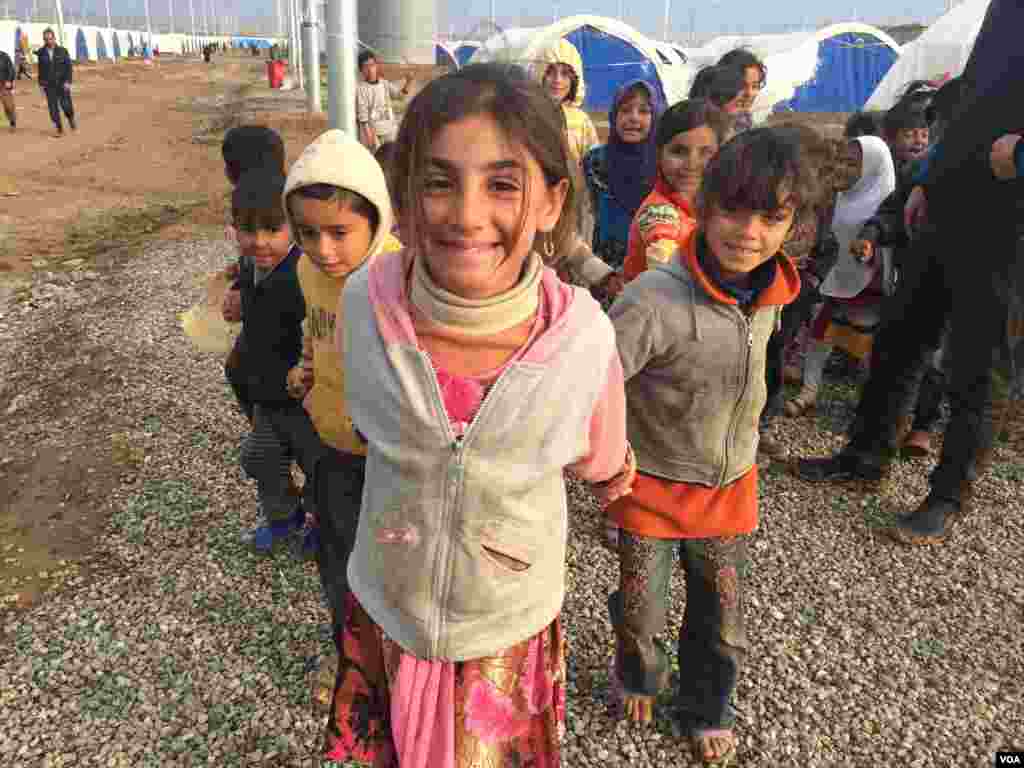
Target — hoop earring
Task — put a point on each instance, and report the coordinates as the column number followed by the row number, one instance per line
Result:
column 548, row 247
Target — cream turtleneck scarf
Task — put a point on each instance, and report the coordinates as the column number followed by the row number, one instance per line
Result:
column 477, row 317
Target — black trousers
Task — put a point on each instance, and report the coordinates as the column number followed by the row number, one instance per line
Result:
column 793, row 316
column 951, row 275
column 58, row 99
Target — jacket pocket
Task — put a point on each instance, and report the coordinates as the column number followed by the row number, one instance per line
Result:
column 508, row 556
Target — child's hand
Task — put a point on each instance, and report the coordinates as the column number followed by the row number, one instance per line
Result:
column 299, row 383
column 1001, row 157
column 620, row 485
column 915, row 211
column 611, row 286
column 864, row 250
column 231, row 307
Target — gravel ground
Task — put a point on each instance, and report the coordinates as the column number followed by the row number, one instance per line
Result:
column 174, row 646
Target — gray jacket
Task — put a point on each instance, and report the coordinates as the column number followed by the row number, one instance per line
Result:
column 441, row 516
column 695, row 374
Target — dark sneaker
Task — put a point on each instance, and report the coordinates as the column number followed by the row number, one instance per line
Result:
column 928, row 524
column 71, row 122
column 841, row 468
column 265, row 537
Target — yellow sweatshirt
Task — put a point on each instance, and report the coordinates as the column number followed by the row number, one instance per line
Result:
column 334, row 158
column 580, row 129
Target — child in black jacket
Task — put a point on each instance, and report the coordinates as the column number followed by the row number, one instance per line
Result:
column 271, row 344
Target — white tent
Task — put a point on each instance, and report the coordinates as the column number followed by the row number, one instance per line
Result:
column 89, row 43
column 613, row 53
column 941, row 50
column 832, row 69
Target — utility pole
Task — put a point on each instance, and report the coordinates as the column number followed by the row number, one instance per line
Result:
column 149, row 30
column 311, row 50
column 60, row 22
column 341, row 21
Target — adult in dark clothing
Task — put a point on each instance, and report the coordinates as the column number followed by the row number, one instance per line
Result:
column 965, row 267
column 55, row 80
column 7, row 76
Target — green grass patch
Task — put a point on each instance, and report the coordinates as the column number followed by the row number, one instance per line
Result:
column 166, row 504
column 97, row 232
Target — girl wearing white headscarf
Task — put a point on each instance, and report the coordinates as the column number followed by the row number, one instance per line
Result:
column 855, row 286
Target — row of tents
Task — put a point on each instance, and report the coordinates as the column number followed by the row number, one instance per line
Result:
column 839, row 68
column 89, row 43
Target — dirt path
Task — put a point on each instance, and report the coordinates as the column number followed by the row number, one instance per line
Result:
column 144, row 163
column 134, row 142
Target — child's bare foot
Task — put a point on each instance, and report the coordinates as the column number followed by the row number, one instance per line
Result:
column 716, row 747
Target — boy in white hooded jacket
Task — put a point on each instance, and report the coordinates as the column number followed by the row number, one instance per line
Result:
column 336, row 200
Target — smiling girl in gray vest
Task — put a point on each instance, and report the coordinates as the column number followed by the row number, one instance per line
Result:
column 477, row 378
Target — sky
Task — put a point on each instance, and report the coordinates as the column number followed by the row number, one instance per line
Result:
column 707, row 17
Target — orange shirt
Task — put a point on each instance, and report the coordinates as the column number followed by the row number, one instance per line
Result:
column 666, row 509
column 663, row 215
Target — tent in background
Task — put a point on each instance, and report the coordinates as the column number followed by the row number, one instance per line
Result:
column 941, row 51
column 444, row 56
column 464, row 51
column 613, row 53
column 832, row 69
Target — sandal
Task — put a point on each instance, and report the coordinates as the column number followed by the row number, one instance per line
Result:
column 703, row 741
column 323, row 679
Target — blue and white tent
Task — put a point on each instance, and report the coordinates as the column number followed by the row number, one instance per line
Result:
column 613, row 53
column 464, row 51
column 444, row 56
column 940, row 52
column 832, row 69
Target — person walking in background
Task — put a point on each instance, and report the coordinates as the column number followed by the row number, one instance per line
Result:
column 21, row 63
column 374, row 113
column 55, row 73
column 7, row 75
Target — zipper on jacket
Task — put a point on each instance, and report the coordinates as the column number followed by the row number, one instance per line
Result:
column 453, row 484
column 731, row 433
column 439, row 573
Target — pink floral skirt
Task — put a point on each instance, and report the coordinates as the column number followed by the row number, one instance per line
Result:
column 391, row 708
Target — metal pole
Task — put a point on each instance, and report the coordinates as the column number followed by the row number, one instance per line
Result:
column 493, row 23
column 311, row 49
column 296, row 17
column 170, row 12
column 192, row 22
column 149, row 30
column 341, row 64
column 668, row 10
column 60, row 22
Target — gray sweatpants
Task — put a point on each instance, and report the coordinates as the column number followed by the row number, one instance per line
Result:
column 266, row 457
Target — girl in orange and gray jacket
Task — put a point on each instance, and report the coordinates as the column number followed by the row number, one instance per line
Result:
column 692, row 336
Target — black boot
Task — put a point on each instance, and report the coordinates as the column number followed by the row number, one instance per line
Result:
column 929, row 523
column 844, row 467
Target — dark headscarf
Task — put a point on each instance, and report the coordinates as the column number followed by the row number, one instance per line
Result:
column 633, row 168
